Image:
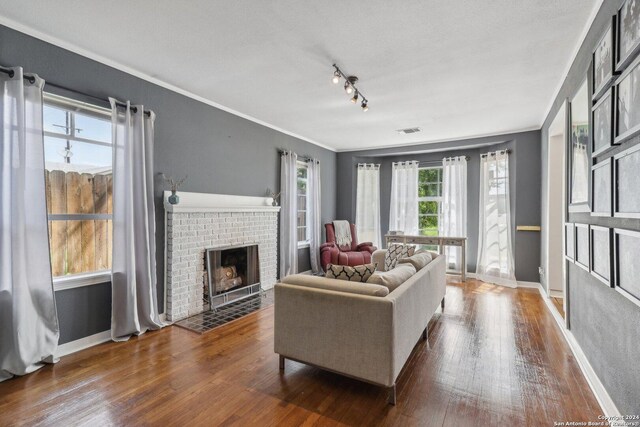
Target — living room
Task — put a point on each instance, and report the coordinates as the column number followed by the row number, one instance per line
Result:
column 351, row 213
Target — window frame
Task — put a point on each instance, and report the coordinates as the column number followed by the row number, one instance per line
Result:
column 307, row 242
column 71, row 281
column 437, row 199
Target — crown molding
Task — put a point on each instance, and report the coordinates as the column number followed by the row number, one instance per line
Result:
column 25, row 29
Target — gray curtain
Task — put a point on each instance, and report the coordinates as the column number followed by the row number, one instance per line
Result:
column 134, row 296
column 288, row 214
column 314, row 213
column 28, row 320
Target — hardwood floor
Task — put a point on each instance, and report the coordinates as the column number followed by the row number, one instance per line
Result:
column 495, row 356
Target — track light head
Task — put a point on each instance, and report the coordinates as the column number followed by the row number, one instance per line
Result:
column 336, row 77
column 348, row 88
column 364, row 106
column 355, row 98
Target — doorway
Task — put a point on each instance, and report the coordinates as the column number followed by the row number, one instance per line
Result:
column 556, row 197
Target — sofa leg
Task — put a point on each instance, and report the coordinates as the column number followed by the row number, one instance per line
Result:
column 391, row 400
column 425, row 333
column 442, row 303
column 281, row 363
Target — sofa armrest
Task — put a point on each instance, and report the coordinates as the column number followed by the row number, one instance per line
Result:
column 378, row 258
column 415, row 302
column 347, row 333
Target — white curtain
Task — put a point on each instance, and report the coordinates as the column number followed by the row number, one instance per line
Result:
column 28, row 320
column 288, row 214
column 134, row 307
column 403, row 209
column 454, row 206
column 368, row 204
column 314, row 213
column 495, row 254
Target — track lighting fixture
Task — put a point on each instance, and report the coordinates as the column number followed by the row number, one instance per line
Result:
column 350, row 87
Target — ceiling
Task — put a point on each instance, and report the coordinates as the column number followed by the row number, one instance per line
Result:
column 456, row 69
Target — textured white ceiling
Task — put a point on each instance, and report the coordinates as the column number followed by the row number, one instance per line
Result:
column 456, row 69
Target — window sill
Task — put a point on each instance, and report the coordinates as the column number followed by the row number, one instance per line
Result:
column 81, row 280
column 303, row 245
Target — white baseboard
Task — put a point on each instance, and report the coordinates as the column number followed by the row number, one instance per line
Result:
column 83, row 343
column 602, row 396
column 534, row 285
column 555, row 294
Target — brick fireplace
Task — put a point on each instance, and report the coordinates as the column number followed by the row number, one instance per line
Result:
column 203, row 221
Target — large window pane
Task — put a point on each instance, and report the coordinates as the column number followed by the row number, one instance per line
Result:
column 92, row 128
column 76, row 193
column 80, row 246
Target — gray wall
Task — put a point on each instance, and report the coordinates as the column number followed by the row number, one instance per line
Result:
column 221, row 152
column 604, row 322
column 524, row 187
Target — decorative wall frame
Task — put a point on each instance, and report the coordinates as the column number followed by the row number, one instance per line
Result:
column 626, row 123
column 601, row 194
column 579, row 150
column 582, row 246
column 626, row 246
column 570, row 241
column 604, row 61
column 627, row 34
column 602, row 124
column 601, row 255
column 626, row 191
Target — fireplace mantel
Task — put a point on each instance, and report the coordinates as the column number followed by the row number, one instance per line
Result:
column 206, row 202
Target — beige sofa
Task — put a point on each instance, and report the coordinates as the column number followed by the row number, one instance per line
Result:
column 350, row 328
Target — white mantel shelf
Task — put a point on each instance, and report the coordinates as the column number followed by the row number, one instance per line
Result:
column 206, row 202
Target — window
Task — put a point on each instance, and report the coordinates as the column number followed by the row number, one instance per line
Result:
column 303, row 188
column 78, row 157
column 429, row 200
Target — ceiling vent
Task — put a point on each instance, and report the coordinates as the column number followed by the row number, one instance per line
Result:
column 408, row 131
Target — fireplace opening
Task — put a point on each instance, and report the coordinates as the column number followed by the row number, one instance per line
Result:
column 232, row 273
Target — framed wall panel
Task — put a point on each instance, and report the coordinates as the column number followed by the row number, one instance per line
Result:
column 601, row 260
column 579, row 150
column 604, row 61
column 570, row 241
column 582, row 246
column 626, row 122
column 627, row 183
column 627, row 268
column 602, row 191
column 602, row 119
column 627, row 34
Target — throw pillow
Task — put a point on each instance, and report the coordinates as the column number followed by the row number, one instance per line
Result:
column 359, row 273
column 393, row 278
column 419, row 260
column 395, row 252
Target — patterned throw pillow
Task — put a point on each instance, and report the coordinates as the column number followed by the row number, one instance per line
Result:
column 395, row 252
column 359, row 273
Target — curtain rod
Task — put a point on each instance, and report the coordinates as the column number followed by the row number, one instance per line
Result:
column 304, row 158
column 31, row 79
column 493, row 153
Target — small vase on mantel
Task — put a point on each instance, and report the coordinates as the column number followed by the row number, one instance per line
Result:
column 174, row 199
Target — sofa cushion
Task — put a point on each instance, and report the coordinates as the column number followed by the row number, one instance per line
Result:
column 393, row 278
column 395, row 252
column 358, row 273
column 317, row 282
column 419, row 260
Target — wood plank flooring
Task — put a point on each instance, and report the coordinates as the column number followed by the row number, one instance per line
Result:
column 494, row 356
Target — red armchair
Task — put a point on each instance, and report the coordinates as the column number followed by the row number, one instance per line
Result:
column 356, row 254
